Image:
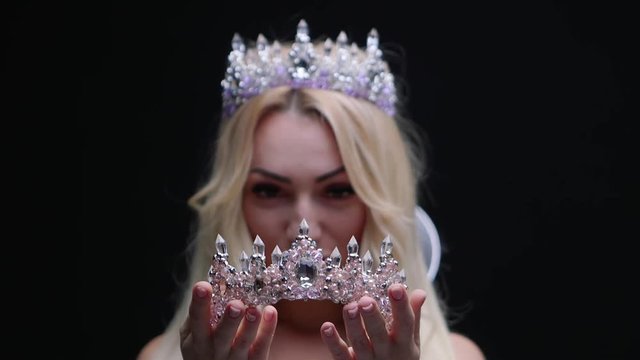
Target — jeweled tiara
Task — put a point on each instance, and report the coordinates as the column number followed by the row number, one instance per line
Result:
column 301, row 273
column 341, row 67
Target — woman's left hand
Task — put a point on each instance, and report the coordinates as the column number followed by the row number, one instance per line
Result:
column 367, row 333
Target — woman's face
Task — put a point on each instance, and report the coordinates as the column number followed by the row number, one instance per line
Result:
column 297, row 173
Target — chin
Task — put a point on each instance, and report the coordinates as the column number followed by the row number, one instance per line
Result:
column 308, row 315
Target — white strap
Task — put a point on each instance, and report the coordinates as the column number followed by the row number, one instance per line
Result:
column 430, row 241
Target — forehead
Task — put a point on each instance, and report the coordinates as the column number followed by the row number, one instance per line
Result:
column 288, row 139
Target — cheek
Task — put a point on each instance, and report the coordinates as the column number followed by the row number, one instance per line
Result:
column 350, row 222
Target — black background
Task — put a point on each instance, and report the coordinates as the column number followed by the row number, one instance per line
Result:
column 533, row 181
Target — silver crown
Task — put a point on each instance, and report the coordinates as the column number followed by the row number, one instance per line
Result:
column 301, row 273
column 340, row 67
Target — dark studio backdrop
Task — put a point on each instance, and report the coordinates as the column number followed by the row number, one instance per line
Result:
column 532, row 171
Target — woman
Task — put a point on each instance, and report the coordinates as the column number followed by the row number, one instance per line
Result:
column 317, row 142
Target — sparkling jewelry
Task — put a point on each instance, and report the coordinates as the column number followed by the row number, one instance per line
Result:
column 340, row 67
column 301, row 273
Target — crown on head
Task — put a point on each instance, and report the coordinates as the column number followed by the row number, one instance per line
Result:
column 301, row 273
column 340, row 67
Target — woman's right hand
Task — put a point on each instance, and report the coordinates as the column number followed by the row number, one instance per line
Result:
column 242, row 333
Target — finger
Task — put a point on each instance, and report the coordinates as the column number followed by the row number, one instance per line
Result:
column 375, row 326
column 226, row 330
column 246, row 333
column 402, row 327
column 185, row 329
column 417, row 299
column 199, row 318
column 356, row 333
column 262, row 344
column 337, row 347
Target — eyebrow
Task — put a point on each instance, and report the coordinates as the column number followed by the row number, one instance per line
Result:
column 285, row 179
column 330, row 174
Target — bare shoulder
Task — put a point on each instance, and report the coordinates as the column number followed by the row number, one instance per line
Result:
column 149, row 349
column 465, row 349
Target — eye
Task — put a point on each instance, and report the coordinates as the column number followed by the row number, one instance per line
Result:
column 340, row 191
column 266, row 190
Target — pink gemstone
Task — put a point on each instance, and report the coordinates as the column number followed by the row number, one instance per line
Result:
column 313, row 293
column 298, row 293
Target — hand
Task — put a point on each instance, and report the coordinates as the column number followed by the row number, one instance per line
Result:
column 367, row 333
column 242, row 333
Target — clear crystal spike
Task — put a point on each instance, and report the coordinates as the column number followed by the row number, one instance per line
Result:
column 342, row 40
column 302, row 56
column 237, row 44
column 386, row 247
column 328, row 47
column 221, row 245
column 302, row 33
column 304, row 228
column 258, row 246
column 367, row 262
column 354, row 50
column 373, row 40
column 352, row 246
column 276, row 256
column 336, row 258
column 244, row 262
column 261, row 43
column 276, row 48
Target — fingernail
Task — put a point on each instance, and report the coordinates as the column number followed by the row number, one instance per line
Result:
column 269, row 314
column 352, row 311
column 328, row 331
column 368, row 307
column 251, row 314
column 234, row 312
column 201, row 293
column 397, row 293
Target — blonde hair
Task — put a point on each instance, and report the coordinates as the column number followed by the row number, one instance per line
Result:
column 381, row 164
